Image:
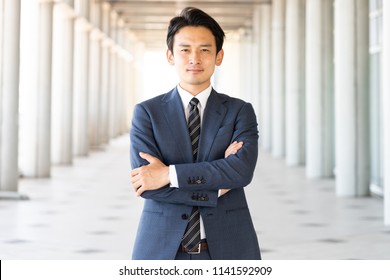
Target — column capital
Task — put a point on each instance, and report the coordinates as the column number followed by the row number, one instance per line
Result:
column 107, row 42
column 84, row 23
column 68, row 11
column 96, row 34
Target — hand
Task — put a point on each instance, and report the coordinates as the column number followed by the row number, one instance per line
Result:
column 231, row 150
column 153, row 176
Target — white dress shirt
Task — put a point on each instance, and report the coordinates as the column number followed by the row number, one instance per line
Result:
column 186, row 98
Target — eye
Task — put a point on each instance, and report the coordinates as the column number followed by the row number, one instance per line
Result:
column 184, row 50
column 205, row 50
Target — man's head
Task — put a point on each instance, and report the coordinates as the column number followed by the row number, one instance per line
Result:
column 197, row 18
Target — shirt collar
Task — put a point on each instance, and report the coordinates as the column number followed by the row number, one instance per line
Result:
column 202, row 96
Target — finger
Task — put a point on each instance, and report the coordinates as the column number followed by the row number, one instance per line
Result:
column 134, row 172
column 136, row 183
column 140, row 190
column 147, row 157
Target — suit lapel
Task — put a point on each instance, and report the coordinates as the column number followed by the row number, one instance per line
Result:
column 176, row 123
column 213, row 116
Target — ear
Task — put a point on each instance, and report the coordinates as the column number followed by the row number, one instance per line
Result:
column 170, row 57
column 219, row 58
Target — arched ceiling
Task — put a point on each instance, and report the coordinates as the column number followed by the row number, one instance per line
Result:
column 148, row 19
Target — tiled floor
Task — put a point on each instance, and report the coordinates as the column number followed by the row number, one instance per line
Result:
column 88, row 211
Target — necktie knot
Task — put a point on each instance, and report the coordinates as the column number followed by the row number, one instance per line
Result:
column 194, row 102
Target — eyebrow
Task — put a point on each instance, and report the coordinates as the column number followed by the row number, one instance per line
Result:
column 201, row 45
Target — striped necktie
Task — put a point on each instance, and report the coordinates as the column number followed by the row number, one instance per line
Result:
column 191, row 238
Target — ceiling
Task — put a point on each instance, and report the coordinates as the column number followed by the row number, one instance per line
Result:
column 148, row 19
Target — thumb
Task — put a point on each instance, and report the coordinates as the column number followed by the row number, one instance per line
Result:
column 147, row 157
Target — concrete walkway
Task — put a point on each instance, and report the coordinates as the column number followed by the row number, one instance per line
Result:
column 89, row 211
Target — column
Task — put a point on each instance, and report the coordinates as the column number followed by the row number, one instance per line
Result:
column 36, row 81
column 129, row 81
column 319, row 89
column 113, row 76
column 385, row 109
column 265, row 78
column 1, row 80
column 295, row 82
column 119, row 79
column 94, row 76
column 351, row 97
column 9, row 96
column 62, row 101
column 105, row 74
column 278, row 78
column 245, row 77
column 256, row 66
column 80, row 80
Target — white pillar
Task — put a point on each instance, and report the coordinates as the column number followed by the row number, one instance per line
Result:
column 265, row 78
column 245, row 77
column 36, row 76
column 351, row 97
column 80, row 80
column 1, row 78
column 94, row 87
column 319, row 89
column 129, row 81
column 295, row 82
column 256, row 65
column 105, row 74
column 94, row 76
column 43, row 128
column 119, row 79
column 278, row 78
column 9, row 94
column 62, row 99
column 385, row 108
column 113, row 76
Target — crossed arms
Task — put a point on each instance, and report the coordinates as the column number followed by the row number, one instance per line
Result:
column 155, row 175
column 150, row 176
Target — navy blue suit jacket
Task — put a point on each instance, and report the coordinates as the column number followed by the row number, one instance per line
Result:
column 159, row 128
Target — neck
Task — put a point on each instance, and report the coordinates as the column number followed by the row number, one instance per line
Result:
column 194, row 89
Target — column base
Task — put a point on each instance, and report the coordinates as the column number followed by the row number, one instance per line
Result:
column 6, row 195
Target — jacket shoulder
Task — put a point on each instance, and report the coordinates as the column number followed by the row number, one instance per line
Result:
column 162, row 98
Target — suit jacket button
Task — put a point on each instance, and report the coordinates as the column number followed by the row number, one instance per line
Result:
column 184, row 216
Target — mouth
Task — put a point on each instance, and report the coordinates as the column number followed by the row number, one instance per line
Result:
column 195, row 70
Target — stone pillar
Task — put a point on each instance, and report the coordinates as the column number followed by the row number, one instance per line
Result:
column 265, row 78
column 385, row 108
column 80, row 80
column 37, row 73
column 295, row 82
column 62, row 102
column 94, row 75
column 105, row 74
column 352, row 97
column 113, row 75
column 319, row 89
column 278, row 78
column 256, row 66
column 9, row 95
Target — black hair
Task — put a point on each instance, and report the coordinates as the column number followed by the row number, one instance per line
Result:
column 191, row 16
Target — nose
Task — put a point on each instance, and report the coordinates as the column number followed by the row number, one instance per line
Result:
column 195, row 57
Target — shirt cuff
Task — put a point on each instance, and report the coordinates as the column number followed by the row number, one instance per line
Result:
column 173, row 177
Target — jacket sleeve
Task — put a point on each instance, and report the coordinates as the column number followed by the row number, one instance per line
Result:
column 142, row 139
column 235, row 171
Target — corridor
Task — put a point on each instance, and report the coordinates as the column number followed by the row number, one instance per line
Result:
column 88, row 211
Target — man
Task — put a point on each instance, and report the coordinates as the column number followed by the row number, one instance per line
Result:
column 192, row 157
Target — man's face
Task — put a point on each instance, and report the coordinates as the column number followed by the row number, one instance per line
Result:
column 194, row 57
